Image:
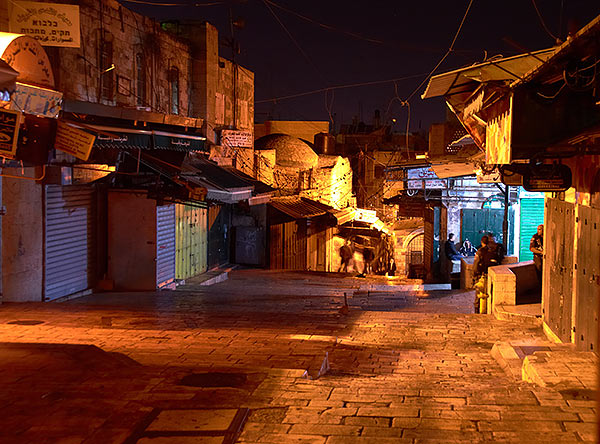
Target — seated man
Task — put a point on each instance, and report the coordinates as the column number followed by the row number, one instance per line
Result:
column 450, row 249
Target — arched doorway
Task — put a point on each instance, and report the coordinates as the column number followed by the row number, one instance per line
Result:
column 414, row 256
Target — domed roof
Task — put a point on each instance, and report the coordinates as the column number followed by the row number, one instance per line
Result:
column 290, row 151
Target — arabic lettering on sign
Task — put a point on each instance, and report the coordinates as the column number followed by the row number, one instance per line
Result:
column 10, row 122
column 73, row 141
column 38, row 101
column 438, row 184
column 49, row 23
column 121, row 139
column 421, row 173
column 242, row 139
column 180, row 143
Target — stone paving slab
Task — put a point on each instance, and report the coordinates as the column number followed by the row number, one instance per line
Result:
column 93, row 370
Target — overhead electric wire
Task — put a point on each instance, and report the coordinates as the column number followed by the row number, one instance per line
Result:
column 556, row 39
column 450, row 49
column 150, row 3
column 323, row 25
column 267, row 4
column 330, row 88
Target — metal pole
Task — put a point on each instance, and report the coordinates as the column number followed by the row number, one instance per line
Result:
column 505, row 222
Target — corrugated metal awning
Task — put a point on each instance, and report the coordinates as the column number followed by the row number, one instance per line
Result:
column 467, row 79
column 300, row 207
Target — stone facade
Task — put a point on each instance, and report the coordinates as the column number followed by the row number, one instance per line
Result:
column 139, row 50
column 290, row 165
column 22, row 236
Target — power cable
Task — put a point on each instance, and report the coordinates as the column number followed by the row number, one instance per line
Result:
column 142, row 2
column 308, row 59
column 330, row 88
column 556, row 39
column 325, row 26
column 450, row 49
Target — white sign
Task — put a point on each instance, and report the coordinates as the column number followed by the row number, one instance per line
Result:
column 421, row 173
column 242, row 139
column 368, row 216
column 489, row 177
column 38, row 101
column 420, row 178
column 51, row 24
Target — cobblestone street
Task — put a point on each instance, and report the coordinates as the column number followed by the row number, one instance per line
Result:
column 202, row 363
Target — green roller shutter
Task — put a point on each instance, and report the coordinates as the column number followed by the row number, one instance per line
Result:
column 532, row 215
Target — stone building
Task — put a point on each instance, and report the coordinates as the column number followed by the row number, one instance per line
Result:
column 146, row 98
column 294, row 168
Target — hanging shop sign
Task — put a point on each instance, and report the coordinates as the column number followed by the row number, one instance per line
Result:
column 10, row 122
column 547, row 178
column 37, row 101
column 51, row 24
column 73, row 141
column 241, row 139
column 491, row 176
column 424, row 178
column 368, row 216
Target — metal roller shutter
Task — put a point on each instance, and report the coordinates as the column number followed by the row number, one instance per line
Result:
column 70, row 240
column 532, row 215
column 165, row 245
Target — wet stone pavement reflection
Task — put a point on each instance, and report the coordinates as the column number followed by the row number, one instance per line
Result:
column 238, row 362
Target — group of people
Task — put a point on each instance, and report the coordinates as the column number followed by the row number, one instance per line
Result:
column 378, row 260
column 467, row 249
column 491, row 253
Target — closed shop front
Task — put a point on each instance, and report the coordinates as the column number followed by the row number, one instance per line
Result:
column 165, row 245
column 191, row 243
column 219, row 225
column 70, row 240
column 532, row 215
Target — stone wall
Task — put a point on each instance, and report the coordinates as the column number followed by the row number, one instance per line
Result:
column 22, row 237
column 79, row 74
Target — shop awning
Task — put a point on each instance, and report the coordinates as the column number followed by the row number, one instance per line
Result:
column 223, row 185
column 465, row 80
column 300, row 207
column 121, row 138
column 345, row 215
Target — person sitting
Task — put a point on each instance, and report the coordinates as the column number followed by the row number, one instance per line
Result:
column 450, row 249
column 467, row 248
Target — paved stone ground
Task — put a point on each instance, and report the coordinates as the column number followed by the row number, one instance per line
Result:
column 405, row 367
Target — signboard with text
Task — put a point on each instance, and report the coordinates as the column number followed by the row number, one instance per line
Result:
column 419, row 178
column 34, row 100
column 237, row 138
column 9, row 132
column 51, row 24
column 73, row 141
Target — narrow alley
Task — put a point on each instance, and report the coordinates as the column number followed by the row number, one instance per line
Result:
column 272, row 357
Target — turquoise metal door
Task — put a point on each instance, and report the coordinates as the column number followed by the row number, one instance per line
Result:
column 532, row 215
column 477, row 222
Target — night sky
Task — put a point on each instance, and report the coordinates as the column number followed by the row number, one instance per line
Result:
column 354, row 42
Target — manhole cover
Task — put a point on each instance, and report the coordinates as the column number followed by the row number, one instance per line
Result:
column 214, row 379
column 26, row 322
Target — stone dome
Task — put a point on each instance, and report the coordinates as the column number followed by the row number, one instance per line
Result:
column 290, row 151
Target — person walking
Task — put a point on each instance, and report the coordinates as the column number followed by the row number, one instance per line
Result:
column 489, row 254
column 536, row 246
column 345, row 255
